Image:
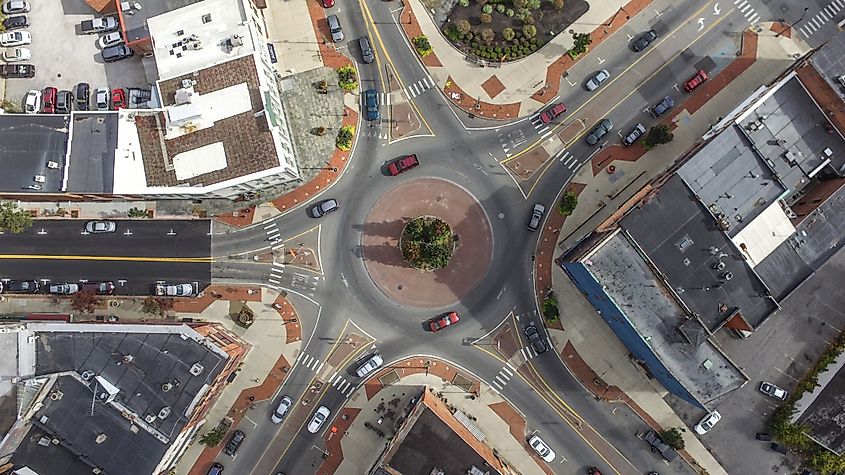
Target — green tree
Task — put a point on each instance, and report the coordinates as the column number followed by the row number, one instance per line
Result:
column 567, row 203
column 138, row 213
column 508, row 34
column 659, row 134
column 534, row 4
column 509, row 12
column 582, row 41
column 487, row 9
column 13, row 218
column 463, row 27
column 487, row 35
column 463, row 3
column 672, row 437
column 529, row 31
column 486, row 18
column 550, row 310
column 520, row 3
column 212, row 437
column 501, row 8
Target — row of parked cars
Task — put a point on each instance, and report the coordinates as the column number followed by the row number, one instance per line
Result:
column 54, row 101
column 32, row 286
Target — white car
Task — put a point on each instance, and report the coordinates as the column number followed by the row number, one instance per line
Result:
column 543, row 450
column 770, row 389
column 110, row 39
column 175, row 290
column 370, row 365
column 97, row 227
column 13, row 7
column 279, row 413
column 707, row 423
column 16, row 55
column 319, row 418
column 32, row 102
column 101, row 97
column 15, row 38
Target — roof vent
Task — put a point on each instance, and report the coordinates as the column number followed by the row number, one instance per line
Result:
column 150, row 418
column 96, row 471
column 127, row 359
column 166, row 387
column 728, row 276
column 196, row 369
column 236, row 40
column 164, row 412
column 56, row 395
column 206, row 18
column 101, row 438
column 87, row 375
column 719, row 265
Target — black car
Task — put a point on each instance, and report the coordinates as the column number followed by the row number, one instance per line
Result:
column 83, row 92
column 535, row 339
column 24, row 286
column 644, row 40
column 116, row 53
column 64, row 102
column 15, row 22
column 234, row 443
column 10, row 71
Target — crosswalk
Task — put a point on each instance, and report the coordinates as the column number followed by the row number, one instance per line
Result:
column 274, row 236
column 276, row 271
column 505, row 374
column 341, row 384
column 419, row 87
column 826, row 14
column 544, row 130
column 528, row 352
column 745, row 8
column 314, row 364
column 568, row 160
column 376, row 132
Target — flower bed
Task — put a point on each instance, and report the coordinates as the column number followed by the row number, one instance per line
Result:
column 427, row 243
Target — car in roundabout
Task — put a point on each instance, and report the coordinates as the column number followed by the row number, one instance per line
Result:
column 443, row 321
column 403, row 164
column 324, row 207
column 318, row 419
column 373, row 363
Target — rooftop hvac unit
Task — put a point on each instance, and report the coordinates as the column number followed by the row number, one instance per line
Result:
column 719, row 265
column 164, row 412
column 188, row 83
column 236, row 40
column 166, row 387
column 87, row 375
column 196, row 369
column 150, row 418
column 728, row 276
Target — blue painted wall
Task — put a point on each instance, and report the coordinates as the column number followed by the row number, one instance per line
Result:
column 626, row 332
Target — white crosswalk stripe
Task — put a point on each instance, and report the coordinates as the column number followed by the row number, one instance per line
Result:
column 419, row 87
column 314, row 364
column 747, row 10
column 826, row 14
column 276, row 272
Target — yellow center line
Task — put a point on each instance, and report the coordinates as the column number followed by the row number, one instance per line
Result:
column 619, row 76
column 106, row 258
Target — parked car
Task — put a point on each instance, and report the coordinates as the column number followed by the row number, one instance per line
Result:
column 64, row 289
column 593, row 471
column 549, row 114
column 644, row 40
column 402, row 165
column 444, row 321
column 634, row 135
column 335, row 28
column 281, row 410
column 118, row 98
column 695, row 81
column 657, row 445
column 110, row 39
column 13, row 7
column 318, row 419
column 102, row 288
column 535, row 339
column 16, row 55
column 324, row 207
column 48, row 100
column 22, row 286
column 367, row 53
column 116, row 53
column 14, row 71
column 101, row 97
column 32, row 102
column 328, row 3
column 216, row 469
column 707, row 422
column 770, row 389
column 661, row 107
column 536, row 217
column 597, row 80
column 371, row 104
column 98, row 25
column 15, row 38
column 15, row 22
column 600, row 131
column 83, row 92
column 234, row 443
column 544, row 451
column 64, row 102
column 174, row 290
column 97, row 227
column 373, row 363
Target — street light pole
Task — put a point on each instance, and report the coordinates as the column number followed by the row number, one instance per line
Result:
column 793, row 23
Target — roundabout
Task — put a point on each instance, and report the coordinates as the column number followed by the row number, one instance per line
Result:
column 426, row 286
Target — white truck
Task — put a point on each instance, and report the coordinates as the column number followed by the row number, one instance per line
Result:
column 98, row 25
column 175, row 290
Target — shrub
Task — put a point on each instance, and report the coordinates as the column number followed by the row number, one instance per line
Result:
column 212, row 437
column 533, row 48
column 344, row 137
column 487, row 9
column 522, row 13
column 486, row 18
column 582, row 41
column 463, row 3
column 507, row 49
column 474, row 44
column 347, row 78
column 520, row 3
column 138, row 213
column 12, row 218
column 567, row 203
column 85, row 302
column 487, row 35
column 533, row 41
column 509, row 12
column 422, row 45
column 500, row 8
column 528, row 20
column 157, row 306
column 499, row 49
column 468, row 36
column 550, row 310
column 529, row 31
column 534, row 4
column 463, row 27
column 558, row 4
column 672, row 437
column 659, row 134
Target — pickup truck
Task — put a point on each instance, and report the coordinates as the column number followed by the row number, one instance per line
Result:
column 175, row 290
column 98, row 25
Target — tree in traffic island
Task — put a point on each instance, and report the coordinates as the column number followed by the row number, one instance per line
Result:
column 427, row 243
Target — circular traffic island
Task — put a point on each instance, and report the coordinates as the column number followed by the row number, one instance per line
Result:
column 426, row 243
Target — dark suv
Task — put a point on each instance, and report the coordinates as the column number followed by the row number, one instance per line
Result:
column 535, row 339
column 64, row 102
column 371, row 104
column 83, row 92
column 116, row 53
column 234, row 443
column 23, row 286
column 15, row 22
column 644, row 40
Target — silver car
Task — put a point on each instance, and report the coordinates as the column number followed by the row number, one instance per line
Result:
column 594, row 82
column 324, row 207
column 97, row 227
column 334, row 27
column 371, row 365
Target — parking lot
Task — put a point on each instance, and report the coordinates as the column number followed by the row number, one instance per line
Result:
column 63, row 57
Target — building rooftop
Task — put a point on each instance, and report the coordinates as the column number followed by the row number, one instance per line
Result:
column 92, row 146
column 33, row 146
column 700, row 262
column 48, row 458
column 821, row 409
column 135, row 21
column 830, row 62
column 678, row 342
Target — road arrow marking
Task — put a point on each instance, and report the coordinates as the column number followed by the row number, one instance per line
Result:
column 700, row 24
column 716, row 10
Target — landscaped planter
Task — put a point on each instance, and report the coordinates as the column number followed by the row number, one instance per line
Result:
column 427, row 243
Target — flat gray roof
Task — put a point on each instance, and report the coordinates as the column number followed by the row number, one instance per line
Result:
column 684, row 242
column 27, row 144
column 821, row 410
column 830, row 62
column 92, row 146
column 657, row 318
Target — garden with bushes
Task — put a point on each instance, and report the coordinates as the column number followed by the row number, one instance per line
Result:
column 508, row 30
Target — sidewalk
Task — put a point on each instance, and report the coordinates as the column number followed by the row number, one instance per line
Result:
column 587, row 345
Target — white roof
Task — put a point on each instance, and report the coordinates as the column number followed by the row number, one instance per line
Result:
column 199, row 161
column 765, row 233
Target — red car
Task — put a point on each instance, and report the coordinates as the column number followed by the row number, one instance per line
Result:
column 403, row 164
column 438, row 324
column 593, row 471
column 118, row 99
column 48, row 100
column 695, row 81
column 550, row 114
column 328, row 3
